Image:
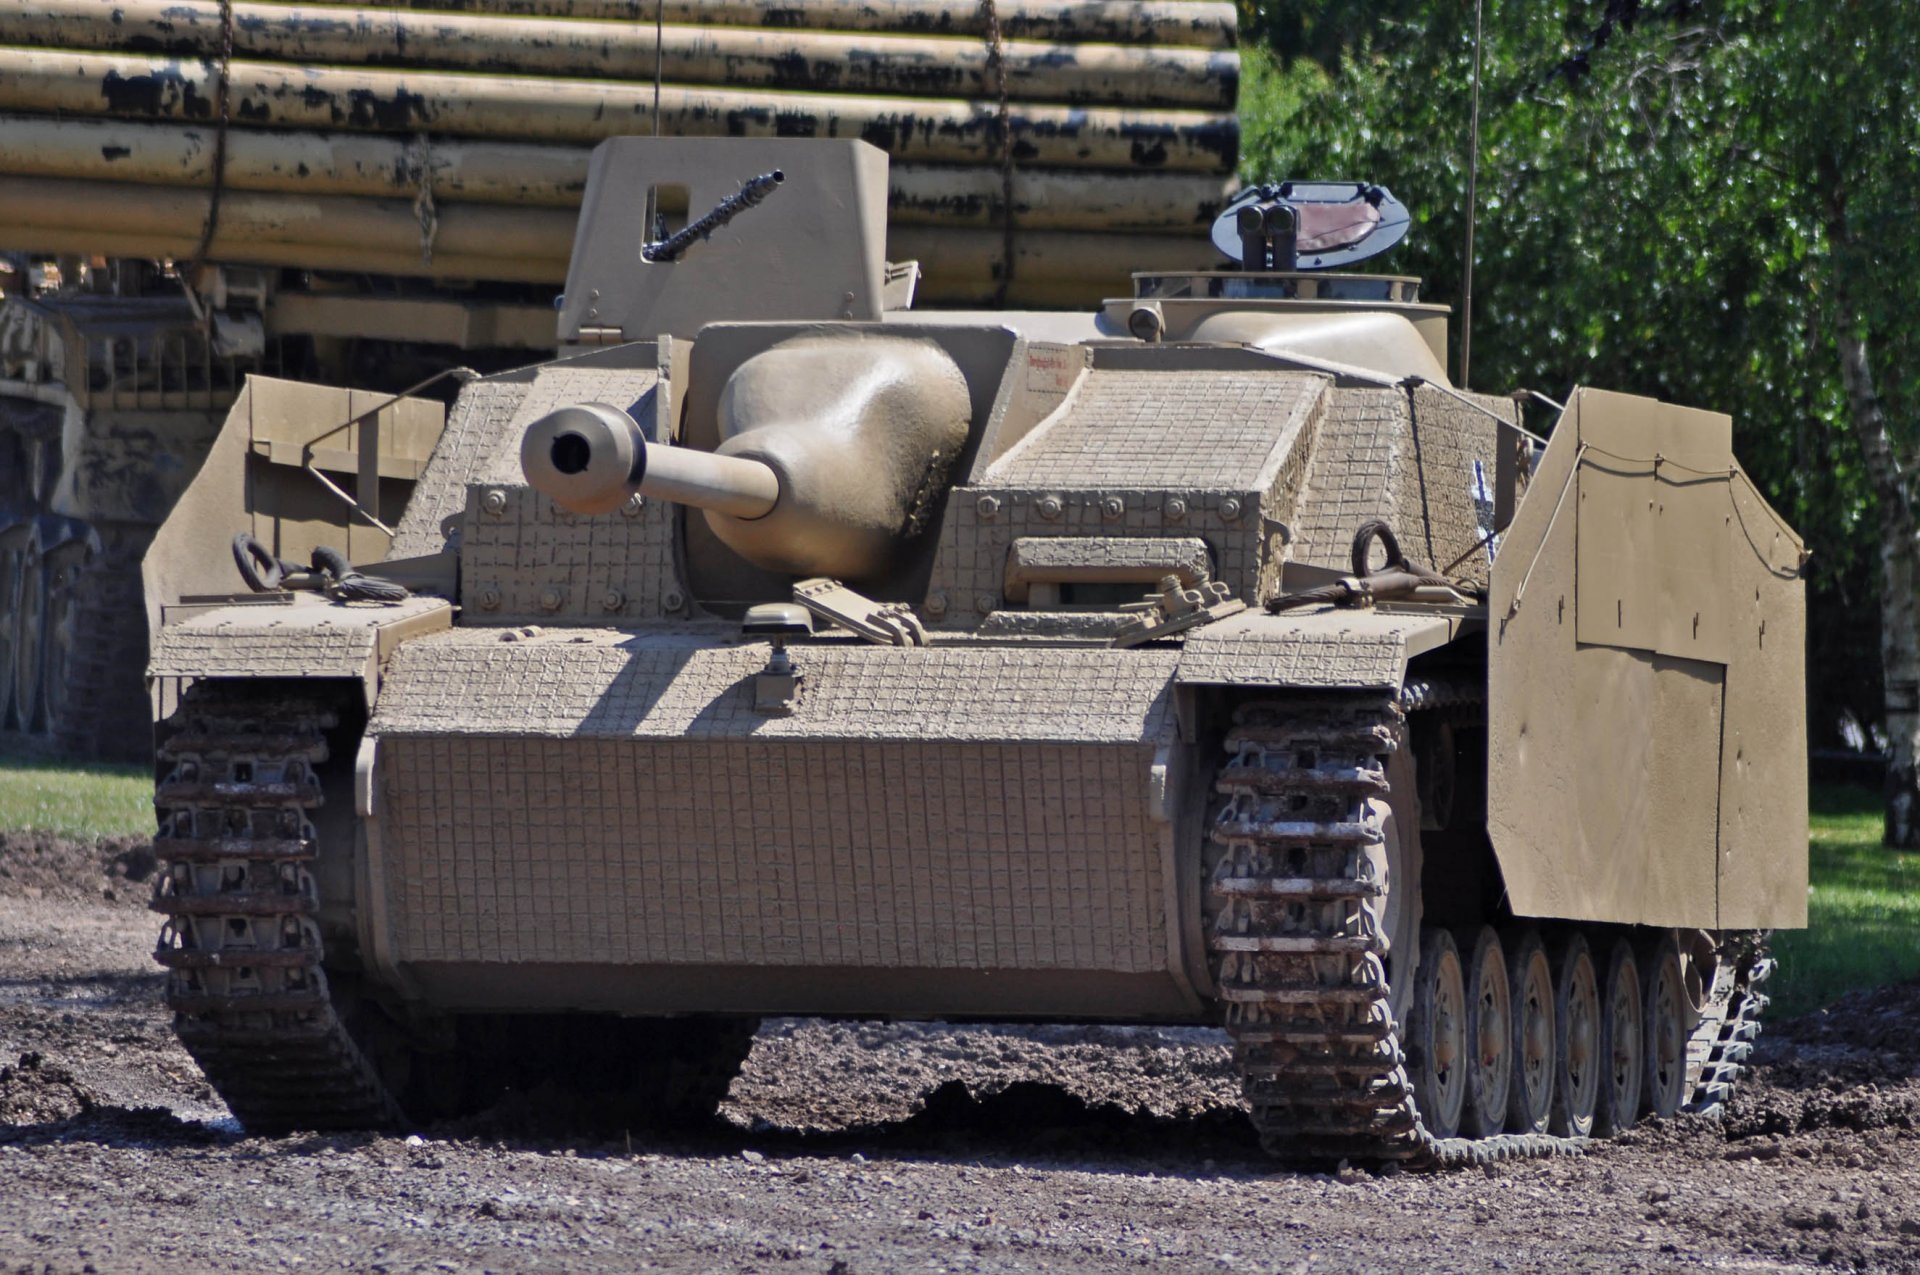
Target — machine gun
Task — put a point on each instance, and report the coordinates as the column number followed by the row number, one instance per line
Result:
column 750, row 194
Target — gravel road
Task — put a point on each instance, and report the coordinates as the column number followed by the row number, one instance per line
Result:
column 849, row 1147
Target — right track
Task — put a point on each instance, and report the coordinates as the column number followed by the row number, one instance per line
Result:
column 1300, row 958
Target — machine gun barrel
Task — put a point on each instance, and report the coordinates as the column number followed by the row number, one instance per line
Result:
column 591, row 457
column 750, row 193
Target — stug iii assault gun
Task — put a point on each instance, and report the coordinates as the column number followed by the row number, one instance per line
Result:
column 1208, row 658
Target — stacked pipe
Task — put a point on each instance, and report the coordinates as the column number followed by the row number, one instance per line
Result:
column 449, row 138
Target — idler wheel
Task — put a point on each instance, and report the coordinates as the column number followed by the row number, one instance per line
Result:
column 1489, row 1034
column 1437, row 1034
column 1530, row 980
column 1664, row 989
column 1622, row 1042
column 1576, row 1039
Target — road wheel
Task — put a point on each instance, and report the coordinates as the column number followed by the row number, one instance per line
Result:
column 1663, row 988
column 1530, row 983
column 1489, row 1035
column 1437, row 1035
column 1576, row 1039
column 1622, row 1043
column 1397, row 865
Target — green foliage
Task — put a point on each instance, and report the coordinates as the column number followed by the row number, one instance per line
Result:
column 1654, row 216
column 72, row 800
column 1863, row 910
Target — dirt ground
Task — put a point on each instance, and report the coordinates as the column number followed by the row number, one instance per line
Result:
column 869, row 1147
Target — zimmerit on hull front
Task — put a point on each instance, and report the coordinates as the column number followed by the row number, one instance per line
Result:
column 858, row 660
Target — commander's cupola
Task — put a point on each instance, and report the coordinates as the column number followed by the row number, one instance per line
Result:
column 1289, row 288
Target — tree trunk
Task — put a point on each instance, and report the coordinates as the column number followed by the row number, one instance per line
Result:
column 1899, row 528
column 1899, row 578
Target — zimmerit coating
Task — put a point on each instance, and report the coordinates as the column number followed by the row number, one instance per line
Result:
column 972, row 807
column 1351, row 475
column 479, row 419
column 1376, row 458
column 1130, row 454
column 484, row 426
column 636, row 851
column 525, row 560
column 309, row 639
column 467, row 682
column 1212, row 431
column 1448, row 437
column 971, row 564
column 1335, row 657
column 628, row 389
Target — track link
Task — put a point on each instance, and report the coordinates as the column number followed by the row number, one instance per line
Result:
column 1298, row 950
column 1300, row 958
column 1729, row 1024
column 242, row 941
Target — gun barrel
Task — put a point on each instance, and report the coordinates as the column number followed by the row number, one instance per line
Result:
column 591, row 457
column 751, row 192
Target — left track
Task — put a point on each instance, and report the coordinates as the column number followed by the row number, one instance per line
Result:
column 242, row 942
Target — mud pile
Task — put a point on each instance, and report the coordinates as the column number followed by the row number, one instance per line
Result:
column 37, row 865
column 35, row 1091
column 1853, row 1066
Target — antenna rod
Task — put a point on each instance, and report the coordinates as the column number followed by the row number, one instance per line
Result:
column 1473, row 206
column 659, row 58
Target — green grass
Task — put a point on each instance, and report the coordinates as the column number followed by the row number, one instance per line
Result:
column 1863, row 913
column 74, row 800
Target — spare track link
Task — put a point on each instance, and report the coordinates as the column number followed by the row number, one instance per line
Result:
column 242, row 941
column 1297, row 946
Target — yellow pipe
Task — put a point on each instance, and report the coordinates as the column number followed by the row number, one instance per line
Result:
column 389, row 228
column 1181, row 22
column 175, row 154
column 524, row 245
column 34, row 80
column 1058, row 199
column 84, row 241
column 1032, row 289
column 708, row 54
column 527, row 174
